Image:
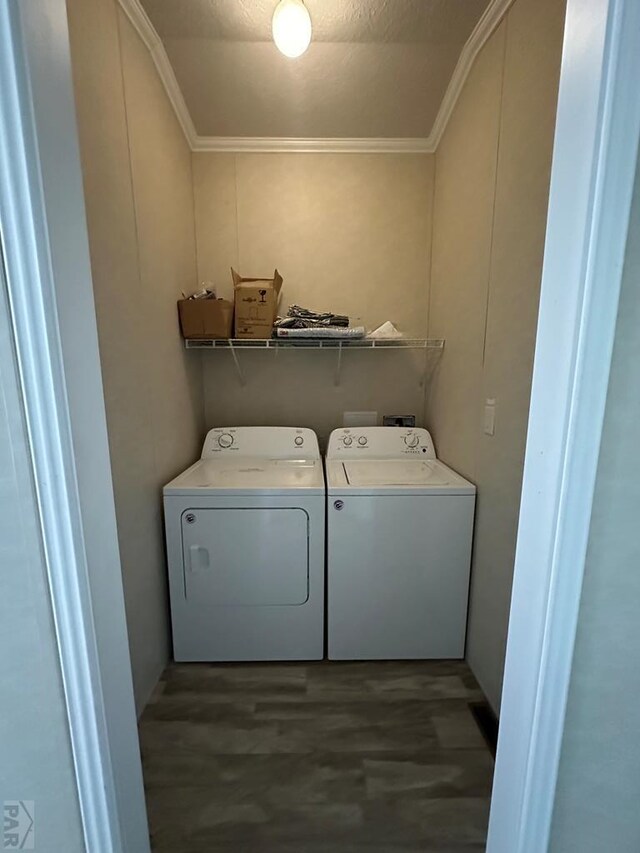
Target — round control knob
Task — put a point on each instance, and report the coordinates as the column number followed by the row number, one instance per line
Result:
column 225, row 440
column 298, row 440
column 411, row 440
column 347, row 441
column 362, row 440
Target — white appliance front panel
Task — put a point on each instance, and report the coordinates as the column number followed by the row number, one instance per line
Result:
column 205, row 630
column 398, row 576
column 248, row 557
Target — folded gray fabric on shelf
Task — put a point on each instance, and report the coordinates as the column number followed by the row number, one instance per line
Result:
column 303, row 318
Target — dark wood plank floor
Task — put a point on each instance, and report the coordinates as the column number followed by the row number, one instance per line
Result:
column 317, row 758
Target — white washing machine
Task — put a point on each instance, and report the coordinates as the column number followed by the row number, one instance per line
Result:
column 399, row 532
column 245, row 532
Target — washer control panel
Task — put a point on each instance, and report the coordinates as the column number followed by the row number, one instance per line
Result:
column 264, row 442
column 380, row 443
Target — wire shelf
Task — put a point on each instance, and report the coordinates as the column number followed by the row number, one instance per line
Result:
column 316, row 343
column 337, row 345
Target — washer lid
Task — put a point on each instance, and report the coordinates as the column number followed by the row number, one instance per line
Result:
column 249, row 475
column 395, row 476
column 393, row 472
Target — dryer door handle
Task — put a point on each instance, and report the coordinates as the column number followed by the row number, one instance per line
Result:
column 198, row 558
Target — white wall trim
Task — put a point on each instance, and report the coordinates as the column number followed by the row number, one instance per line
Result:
column 483, row 30
column 594, row 161
column 311, row 146
column 153, row 43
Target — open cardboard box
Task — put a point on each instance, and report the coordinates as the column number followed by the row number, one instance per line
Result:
column 256, row 304
column 206, row 318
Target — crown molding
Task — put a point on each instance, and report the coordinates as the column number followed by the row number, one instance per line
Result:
column 145, row 29
column 283, row 145
column 483, row 30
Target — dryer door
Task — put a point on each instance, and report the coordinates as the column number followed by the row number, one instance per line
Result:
column 245, row 557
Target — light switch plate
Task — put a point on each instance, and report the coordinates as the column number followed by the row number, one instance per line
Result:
column 490, row 416
column 359, row 419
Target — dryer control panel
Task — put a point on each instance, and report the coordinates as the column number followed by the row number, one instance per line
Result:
column 263, row 442
column 380, row 443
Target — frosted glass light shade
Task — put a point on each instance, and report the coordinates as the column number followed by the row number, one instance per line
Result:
column 291, row 27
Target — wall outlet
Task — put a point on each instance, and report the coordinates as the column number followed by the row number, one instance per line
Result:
column 490, row 416
column 399, row 420
column 359, row 419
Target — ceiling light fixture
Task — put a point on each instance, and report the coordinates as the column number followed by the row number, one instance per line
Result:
column 291, row 27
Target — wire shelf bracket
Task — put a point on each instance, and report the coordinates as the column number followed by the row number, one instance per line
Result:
column 236, row 361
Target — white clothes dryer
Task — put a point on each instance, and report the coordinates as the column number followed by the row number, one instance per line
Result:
column 399, row 533
column 245, row 529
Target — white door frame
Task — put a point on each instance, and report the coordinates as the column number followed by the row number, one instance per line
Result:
column 44, row 234
column 592, row 178
column 46, row 252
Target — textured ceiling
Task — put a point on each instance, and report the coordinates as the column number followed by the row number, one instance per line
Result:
column 375, row 68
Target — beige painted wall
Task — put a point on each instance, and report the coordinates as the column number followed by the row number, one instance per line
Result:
column 349, row 233
column 138, row 187
column 491, row 193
